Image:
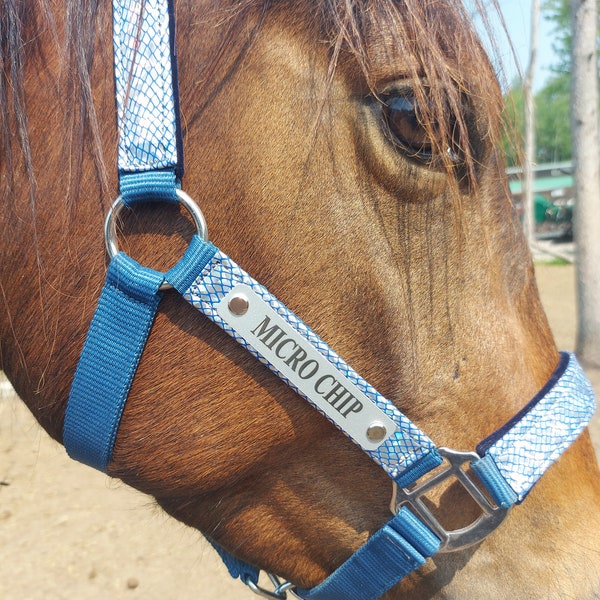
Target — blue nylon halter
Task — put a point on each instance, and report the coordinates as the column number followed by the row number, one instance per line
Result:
column 508, row 463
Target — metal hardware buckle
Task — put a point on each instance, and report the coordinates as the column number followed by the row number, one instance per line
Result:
column 451, row 541
column 110, row 227
column 279, row 592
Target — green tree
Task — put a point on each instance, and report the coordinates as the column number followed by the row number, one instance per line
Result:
column 558, row 13
column 552, row 102
column 552, row 128
column 514, row 126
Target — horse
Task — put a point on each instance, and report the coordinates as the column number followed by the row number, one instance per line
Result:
column 347, row 154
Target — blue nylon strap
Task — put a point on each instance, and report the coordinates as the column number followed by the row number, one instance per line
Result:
column 237, row 568
column 109, row 359
column 148, row 186
column 198, row 254
column 419, row 469
column 113, row 348
column 487, row 471
column 397, row 549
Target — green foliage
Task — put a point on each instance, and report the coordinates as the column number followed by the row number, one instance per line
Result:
column 552, row 125
column 552, row 122
column 552, row 102
column 514, row 124
column 558, row 13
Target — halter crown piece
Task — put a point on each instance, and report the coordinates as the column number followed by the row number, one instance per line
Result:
column 506, row 465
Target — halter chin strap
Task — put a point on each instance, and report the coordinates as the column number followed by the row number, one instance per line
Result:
column 507, row 464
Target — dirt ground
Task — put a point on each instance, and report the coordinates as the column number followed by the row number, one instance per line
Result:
column 68, row 532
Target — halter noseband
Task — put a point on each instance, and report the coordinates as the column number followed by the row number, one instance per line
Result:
column 506, row 465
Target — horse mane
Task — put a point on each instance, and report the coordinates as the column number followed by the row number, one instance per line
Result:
column 20, row 26
column 13, row 22
column 440, row 49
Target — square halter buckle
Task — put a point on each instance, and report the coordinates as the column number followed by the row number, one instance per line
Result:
column 454, row 467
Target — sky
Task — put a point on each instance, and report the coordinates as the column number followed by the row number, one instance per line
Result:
column 517, row 14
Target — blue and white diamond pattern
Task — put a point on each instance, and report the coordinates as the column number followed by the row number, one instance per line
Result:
column 144, row 86
column 221, row 275
column 530, row 446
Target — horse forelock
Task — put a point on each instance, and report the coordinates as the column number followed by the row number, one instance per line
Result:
column 438, row 50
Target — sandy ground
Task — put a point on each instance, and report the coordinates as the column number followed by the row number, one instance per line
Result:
column 68, row 532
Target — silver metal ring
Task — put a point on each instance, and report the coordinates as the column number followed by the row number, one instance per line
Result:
column 110, row 227
column 279, row 591
column 110, row 224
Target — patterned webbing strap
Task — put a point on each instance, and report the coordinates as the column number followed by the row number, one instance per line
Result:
column 150, row 149
column 521, row 451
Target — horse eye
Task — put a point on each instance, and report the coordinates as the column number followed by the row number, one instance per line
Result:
column 401, row 116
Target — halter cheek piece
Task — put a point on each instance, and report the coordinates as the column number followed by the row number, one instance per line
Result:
column 498, row 475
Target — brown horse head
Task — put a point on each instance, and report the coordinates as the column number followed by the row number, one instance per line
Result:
column 346, row 155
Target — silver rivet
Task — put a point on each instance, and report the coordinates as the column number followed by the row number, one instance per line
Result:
column 376, row 432
column 238, row 305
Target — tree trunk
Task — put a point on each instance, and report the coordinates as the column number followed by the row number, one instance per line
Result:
column 586, row 161
column 529, row 108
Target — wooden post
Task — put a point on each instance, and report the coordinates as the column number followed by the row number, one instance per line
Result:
column 586, row 161
column 529, row 108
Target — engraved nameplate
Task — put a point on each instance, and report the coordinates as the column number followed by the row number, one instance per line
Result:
column 305, row 367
